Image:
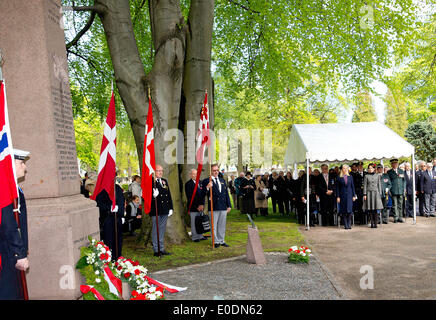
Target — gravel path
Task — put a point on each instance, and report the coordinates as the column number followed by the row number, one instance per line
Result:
column 236, row 279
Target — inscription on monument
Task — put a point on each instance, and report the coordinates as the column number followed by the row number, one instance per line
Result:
column 64, row 132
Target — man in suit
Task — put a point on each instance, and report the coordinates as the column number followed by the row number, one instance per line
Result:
column 357, row 173
column 14, row 243
column 398, row 190
column 325, row 187
column 221, row 204
column 197, row 205
column 428, row 186
column 386, row 186
column 419, row 192
column 409, row 189
column 161, row 196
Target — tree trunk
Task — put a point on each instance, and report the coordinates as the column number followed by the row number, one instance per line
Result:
column 164, row 81
column 197, row 77
column 173, row 105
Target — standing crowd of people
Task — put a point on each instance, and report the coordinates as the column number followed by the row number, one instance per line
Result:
column 352, row 193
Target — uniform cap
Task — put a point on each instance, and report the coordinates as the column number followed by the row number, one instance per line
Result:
column 20, row 154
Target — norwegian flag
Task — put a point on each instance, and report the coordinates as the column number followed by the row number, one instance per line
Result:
column 106, row 166
column 8, row 184
column 148, row 160
column 203, row 140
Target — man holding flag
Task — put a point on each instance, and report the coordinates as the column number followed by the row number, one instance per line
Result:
column 155, row 189
column 13, row 216
column 107, row 194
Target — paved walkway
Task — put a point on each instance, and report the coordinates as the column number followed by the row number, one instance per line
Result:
column 402, row 255
column 235, row 279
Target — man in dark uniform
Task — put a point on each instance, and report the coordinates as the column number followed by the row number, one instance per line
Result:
column 398, row 190
column 162, row 196
column 197, row 205
column 14, row 244
column 386, row 186
column 325, row 186
column 107, row 220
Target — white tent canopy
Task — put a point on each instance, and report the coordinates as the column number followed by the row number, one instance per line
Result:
column 344, row 142
column 336, row 142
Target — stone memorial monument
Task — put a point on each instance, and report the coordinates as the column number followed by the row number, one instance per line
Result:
column 36, row 75
column 254, row 245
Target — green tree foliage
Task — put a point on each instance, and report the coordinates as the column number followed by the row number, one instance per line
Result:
column 423, row 136
column 364, row 109
column 275, row 62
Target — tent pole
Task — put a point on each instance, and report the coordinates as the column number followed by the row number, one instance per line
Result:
column 414, row 190
column 307, row 193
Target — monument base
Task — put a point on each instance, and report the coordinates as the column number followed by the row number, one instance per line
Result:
column 58, row 228
column 254, row 247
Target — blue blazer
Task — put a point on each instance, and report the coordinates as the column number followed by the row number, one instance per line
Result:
column 428, row 185
column 221, row 200
column 345, row 192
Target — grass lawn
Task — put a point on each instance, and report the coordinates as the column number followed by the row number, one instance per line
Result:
column 277, row 233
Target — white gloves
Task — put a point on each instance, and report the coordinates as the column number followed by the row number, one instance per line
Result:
column 155, row 192
column 122, row 220
column 115, row 209
column 387, row 190
column 170, row 213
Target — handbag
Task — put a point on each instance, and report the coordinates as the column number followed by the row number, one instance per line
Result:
column 202, row 223
column 260, row 196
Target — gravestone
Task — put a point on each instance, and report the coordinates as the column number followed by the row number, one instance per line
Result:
column 36, row 75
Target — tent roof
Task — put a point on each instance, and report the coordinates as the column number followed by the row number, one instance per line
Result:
column 335, row 142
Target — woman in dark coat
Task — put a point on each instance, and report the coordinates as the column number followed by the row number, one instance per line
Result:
column 372, row 194
column 345, row 195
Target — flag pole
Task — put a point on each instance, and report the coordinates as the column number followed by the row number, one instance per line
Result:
column 211, row 193
column 155, row 201
column 115, row 194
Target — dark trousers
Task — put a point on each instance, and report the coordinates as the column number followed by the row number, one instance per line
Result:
column 248, row 206
column 109, row 235
column 263, row 211
column 326, row 210
column 421, row 200
column 347, row 220
column 277, row 200
column 409, row 205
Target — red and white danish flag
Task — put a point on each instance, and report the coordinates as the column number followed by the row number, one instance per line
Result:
column 203, row 140
column 148, row 161
column 108, row 156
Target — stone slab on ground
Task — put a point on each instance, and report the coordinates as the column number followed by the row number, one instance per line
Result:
column 402, row 256
column 236, row 279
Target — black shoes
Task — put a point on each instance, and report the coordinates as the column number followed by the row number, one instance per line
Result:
column 222, row 244
column 165, row 253
column 156, row 254
column 196, row 240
